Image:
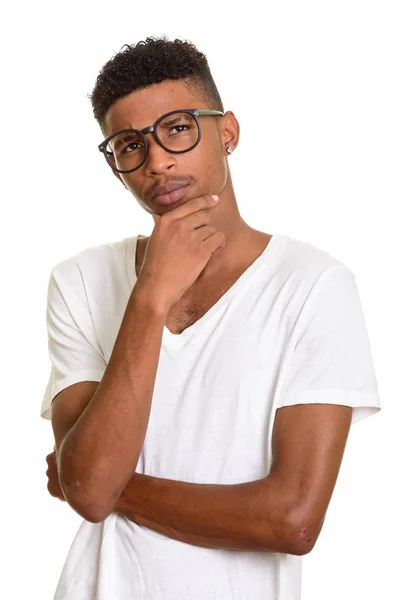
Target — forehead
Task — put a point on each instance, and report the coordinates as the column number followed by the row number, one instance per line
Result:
column 143, row 107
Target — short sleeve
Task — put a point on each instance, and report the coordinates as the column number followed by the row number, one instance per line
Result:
column 73, row 349
column 331, row 360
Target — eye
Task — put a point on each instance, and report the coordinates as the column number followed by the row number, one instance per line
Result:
column 130, row 147
column 180, row 127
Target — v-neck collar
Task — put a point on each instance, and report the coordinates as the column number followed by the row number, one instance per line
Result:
column 178, row 339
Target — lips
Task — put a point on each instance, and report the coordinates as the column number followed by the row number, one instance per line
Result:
column 170, row 187
column 170, row 193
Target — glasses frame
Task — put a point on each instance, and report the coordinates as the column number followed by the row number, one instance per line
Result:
column 195, row 112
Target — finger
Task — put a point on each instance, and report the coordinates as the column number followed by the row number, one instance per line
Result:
column 50, row 459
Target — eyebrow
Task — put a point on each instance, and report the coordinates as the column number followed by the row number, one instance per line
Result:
column 171, row 121
column 182, row 117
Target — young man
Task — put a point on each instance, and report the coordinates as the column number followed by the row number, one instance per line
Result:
column 204, row 378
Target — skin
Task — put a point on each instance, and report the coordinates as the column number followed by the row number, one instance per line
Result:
column 284, row 511
column 205, row 167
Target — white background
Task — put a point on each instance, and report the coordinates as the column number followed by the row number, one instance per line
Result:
column 315, row 88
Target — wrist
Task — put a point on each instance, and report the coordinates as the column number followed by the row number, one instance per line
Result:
column 151, row 298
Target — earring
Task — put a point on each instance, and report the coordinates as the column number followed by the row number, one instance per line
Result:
column 229, row 149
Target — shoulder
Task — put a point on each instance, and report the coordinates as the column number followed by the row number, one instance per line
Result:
column 305, row 263
column 97, row 261
column 303, row 271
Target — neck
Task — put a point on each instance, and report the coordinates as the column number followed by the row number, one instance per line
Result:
column 239, row 236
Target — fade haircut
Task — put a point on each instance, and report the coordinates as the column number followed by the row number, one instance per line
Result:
column 152, row 61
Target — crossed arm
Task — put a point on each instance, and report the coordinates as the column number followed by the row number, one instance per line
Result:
column 283, row 512
column 100, row 427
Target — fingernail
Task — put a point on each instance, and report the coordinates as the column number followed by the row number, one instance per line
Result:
column 214, row 197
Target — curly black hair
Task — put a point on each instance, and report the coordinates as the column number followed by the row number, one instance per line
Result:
column 152, row 61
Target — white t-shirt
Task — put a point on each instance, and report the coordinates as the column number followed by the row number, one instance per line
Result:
column 291, row 330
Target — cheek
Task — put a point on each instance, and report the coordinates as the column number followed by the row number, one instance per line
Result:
column 209, row 160
column 217, row 167
column 135, row 183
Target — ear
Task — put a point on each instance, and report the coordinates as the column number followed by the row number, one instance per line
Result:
column 230, row 130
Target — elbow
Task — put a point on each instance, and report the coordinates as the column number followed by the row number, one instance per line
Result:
column 291, row 532
column 302, row 535
column 85, row 494
column 92, row 513
column 302, row 541
column 91, row 507
column 292, row 523
column 95, row 517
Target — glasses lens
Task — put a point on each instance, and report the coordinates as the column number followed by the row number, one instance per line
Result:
column 126, row 150
column 178, row 131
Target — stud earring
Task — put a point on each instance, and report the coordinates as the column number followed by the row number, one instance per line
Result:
column 229, row 149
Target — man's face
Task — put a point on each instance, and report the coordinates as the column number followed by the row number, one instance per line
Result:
column 204, row 168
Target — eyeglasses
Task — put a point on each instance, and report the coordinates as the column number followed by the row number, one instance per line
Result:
column 177, row 131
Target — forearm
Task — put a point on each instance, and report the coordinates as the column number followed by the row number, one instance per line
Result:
column 248, row 516
column 100, row 452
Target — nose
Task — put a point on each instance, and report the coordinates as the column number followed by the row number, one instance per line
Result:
column 158, row 160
